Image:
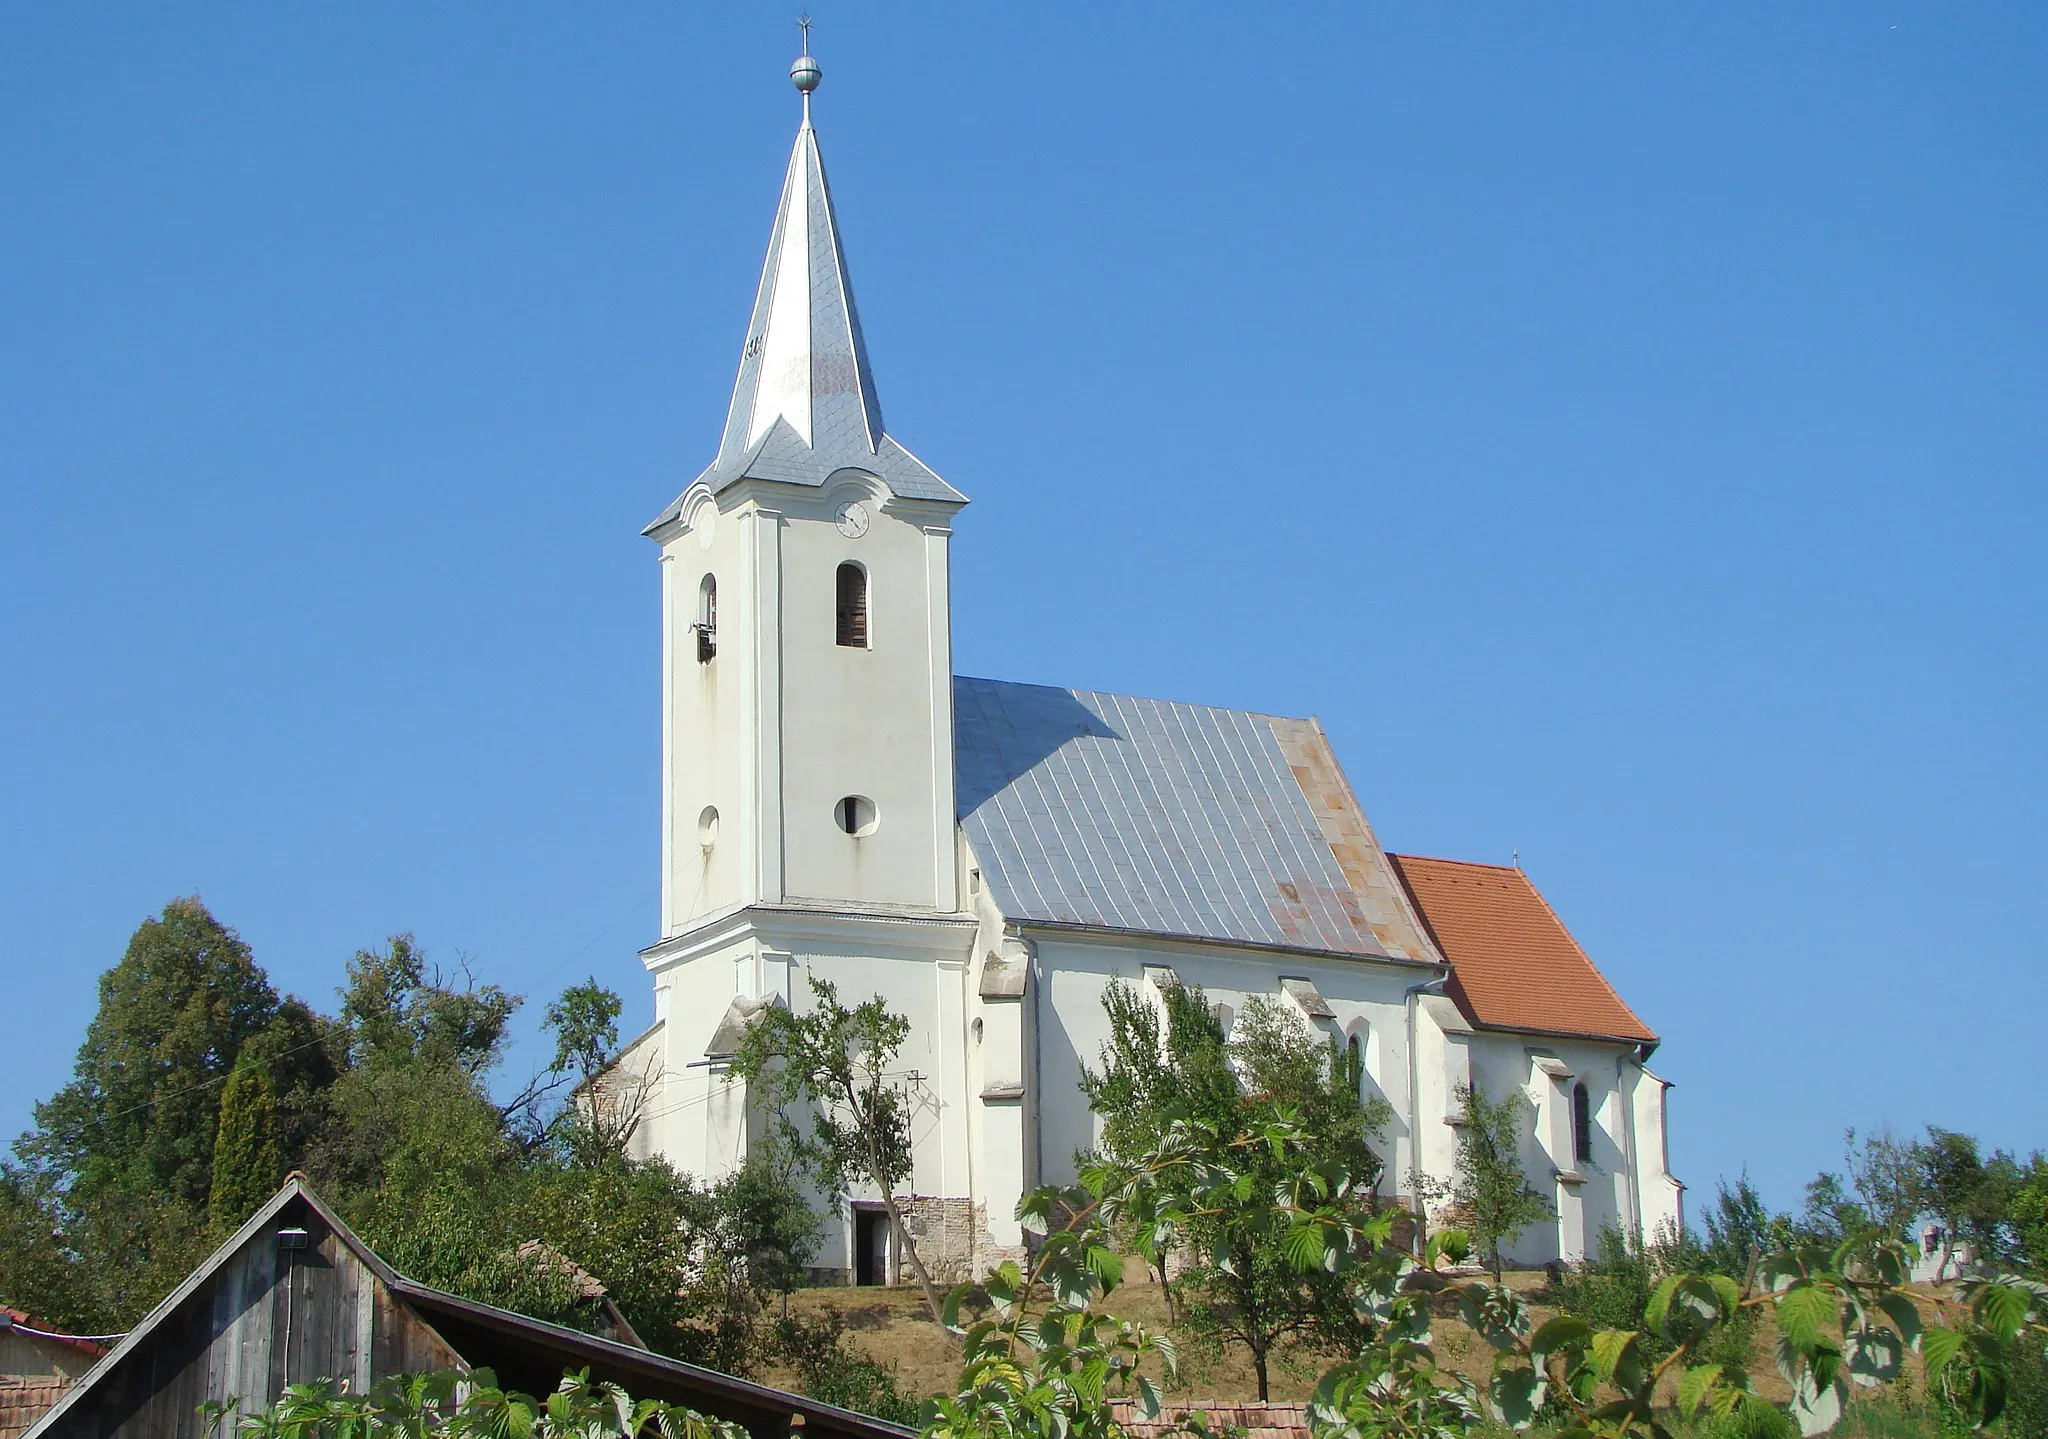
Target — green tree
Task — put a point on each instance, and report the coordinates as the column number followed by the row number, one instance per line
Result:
column 839, row 1064
column 584, row 1023
column 175, row 1017
column 1160, row 1062
column 2027, row 1212
column 246, row 1162
column 1886, row 1174
column 766, row 1232
column 1490, row 1188
column 94, row 1268
column 1240, row 1287
column 396, row 1008
column 643, row 1230
column 1969, row 1196
column 1740, row 1229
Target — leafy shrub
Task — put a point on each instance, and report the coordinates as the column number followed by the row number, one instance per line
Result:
column 833, row 1371
column 1613, row 1290
column 1751, row 1421
column 2026, row 1392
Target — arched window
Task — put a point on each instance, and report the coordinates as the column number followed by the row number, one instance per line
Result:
column 1354, row 1057
column 853, row 606
column 707, row 619
column 1582, row 1124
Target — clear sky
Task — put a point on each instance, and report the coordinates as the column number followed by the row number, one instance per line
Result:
column 1623, row 425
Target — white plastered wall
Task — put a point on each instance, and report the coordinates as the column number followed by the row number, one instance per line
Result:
column 918, row 964
column 1625, row 1185
column 784, row 722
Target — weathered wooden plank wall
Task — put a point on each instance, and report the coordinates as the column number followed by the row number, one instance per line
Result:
column 267, row 1317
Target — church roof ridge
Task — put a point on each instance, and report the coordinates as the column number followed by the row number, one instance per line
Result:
column 804, row 404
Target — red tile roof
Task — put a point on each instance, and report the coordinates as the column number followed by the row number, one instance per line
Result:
column 44, row 1332
column 1514, row 964
column 23, row 1400
column 1276, row 1420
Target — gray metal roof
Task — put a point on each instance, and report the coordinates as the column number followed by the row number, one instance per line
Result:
column 1147, row 815
column 804, row 405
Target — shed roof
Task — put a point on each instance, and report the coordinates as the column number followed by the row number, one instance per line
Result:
column 525, row 1353
column 1513, row 963
column 1111, row 812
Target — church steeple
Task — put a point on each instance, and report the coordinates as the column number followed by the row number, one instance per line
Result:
column 804, row 361
column 804, row 405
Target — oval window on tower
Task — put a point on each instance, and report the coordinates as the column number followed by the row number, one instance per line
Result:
column 855, row 814
column 853, row 606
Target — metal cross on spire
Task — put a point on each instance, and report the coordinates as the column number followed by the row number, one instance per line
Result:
column 805, row 74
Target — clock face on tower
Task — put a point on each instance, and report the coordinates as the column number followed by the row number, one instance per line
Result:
column 853, row 519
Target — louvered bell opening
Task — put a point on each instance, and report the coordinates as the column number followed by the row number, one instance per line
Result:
column 707, row 620
column 853, row 606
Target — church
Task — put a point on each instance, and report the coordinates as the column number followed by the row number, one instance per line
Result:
column 990, row 856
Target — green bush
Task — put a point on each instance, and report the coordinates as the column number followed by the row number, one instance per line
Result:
column 1751, row 1421
column 1612, row 1291
column 834, row 1372
column 2026, row 1393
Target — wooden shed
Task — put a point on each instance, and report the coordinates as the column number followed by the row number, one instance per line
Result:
column 295, row 1296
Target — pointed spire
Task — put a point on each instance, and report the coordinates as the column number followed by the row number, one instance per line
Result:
column 804, row 360
column 804, row 404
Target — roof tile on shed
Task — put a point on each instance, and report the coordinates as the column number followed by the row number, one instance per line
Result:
column 26, row 1398
column 1514, row 964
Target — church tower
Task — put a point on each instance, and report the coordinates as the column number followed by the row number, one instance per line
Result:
column 807, row 716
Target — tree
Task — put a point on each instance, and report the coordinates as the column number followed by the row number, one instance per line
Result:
column 644, row 1231
column 584, row 1021
column 1741, row 1228
column 93, row 1268
column 1243, row 1287
column 1886, row 1174
column 396, row 1008
column 246, row 1163
column 765, row 1230
column 175, row 1017
column 2027, row 1212
column 109, row 1211
column 1953, row 1187
column 839, row 1063
column 1490, row 1187
column 1160, row 1062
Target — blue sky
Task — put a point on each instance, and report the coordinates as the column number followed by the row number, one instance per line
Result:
column 1622, row 425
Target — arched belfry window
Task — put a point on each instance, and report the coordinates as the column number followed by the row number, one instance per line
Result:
column 1582, row 1124
column 707, row 619
column 853, row 606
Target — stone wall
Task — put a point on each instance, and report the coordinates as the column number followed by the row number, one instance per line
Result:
column 952, row 1238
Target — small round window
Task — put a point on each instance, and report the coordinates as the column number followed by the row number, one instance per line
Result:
column 707, row 827
column 855, row 814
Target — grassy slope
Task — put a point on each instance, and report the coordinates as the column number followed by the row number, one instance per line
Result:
column 891, row 1326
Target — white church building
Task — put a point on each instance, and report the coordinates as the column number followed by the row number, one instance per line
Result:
column 990, row 856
